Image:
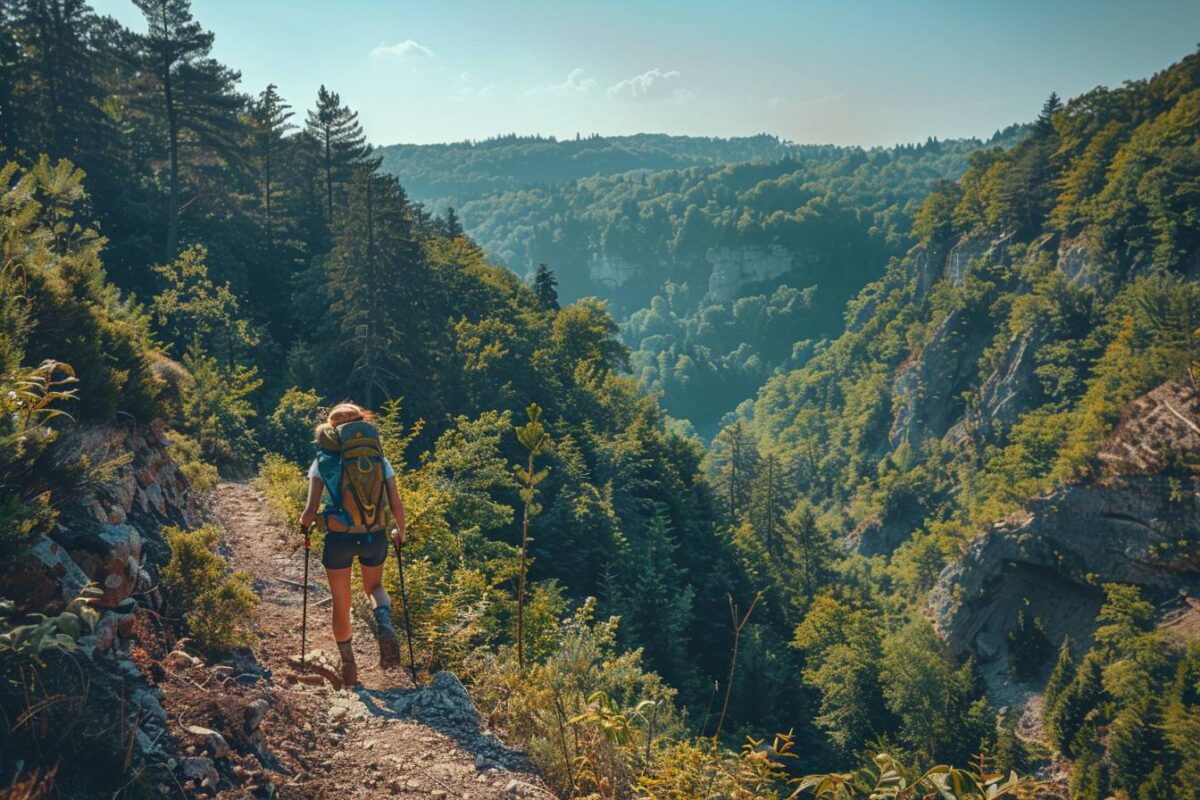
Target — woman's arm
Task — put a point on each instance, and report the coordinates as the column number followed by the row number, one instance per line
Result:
column 315, row 487
column 397, row 508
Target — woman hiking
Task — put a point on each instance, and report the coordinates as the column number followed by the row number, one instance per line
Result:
column 359, row 486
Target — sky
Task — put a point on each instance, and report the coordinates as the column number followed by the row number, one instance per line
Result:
column 861, row 72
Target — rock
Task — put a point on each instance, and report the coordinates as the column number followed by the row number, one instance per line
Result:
column 438, row 794
column 1012, row 388
column 928, row 387
column 255, row 713
column 516, row 788
column 179, row 661
column 735, row 267
column 198, row 768
column 45, row 578
column 1049, row 556
column 319, row 663
column 214, row 742
column 1077, row 262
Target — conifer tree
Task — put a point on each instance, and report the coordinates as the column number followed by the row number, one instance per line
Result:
column 768, row 506
column 453, row 226
column 735, row 453
column 271, row 117
column 1135, row 742
column 1078, row 700
column 544, row 285
column 68, row 120
column 373, row 273
column 1045, row 120
column 193, row 92
column 1060, row 678
column 343, row 145
column 1028, row 646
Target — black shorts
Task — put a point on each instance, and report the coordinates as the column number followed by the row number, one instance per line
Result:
column 340, row 549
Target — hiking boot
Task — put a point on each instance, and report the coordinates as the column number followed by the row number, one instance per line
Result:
column 389, row 641
column 349, row 668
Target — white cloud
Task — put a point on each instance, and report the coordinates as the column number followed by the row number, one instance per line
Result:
column 406, row 49
column 575, row 83
column 650, row 83
column 467, row 91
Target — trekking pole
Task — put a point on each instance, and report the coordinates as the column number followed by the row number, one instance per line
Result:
column 304, row 606
column 412, row 661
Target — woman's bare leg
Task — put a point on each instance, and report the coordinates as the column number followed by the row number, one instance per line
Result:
column 339, row 586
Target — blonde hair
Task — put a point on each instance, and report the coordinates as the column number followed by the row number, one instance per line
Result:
column 345, row 412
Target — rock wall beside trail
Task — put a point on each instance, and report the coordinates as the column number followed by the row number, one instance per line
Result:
column 1136, row 522
column 109, row 534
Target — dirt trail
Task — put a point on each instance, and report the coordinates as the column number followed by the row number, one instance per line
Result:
column 385, row 739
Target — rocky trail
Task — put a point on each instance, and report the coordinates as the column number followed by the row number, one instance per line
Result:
column 253, row 729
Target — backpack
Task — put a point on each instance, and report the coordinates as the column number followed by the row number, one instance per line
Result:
column 353, row 473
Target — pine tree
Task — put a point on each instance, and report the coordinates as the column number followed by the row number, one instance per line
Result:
column 1135, row 742
column 1078, row 700
column 453, row 226
column 270, row 115
column 1090, row 774
column 343, row 145
column 1028, row 646
column 807, row 554
column 1181, row 725
column 193, row 92
column 56, row 38
column 544, row 284
column 1060, row 677
column 768, row 506
column 373, row 274
column 735, row 453
column 1045, row 120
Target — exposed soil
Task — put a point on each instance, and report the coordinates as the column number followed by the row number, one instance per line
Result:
column 383, row 739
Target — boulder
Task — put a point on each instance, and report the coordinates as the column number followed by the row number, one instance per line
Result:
column 45, row 578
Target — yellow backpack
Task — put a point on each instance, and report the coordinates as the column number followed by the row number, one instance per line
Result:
column 360, row 496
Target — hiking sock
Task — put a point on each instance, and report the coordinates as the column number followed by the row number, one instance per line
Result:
column 349, row 668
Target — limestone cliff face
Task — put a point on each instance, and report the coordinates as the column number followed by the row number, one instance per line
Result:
column 1137, row 522
column 613, row 271
column 736, row 267
column 730, row 269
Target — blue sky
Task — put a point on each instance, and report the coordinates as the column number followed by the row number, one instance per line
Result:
column 844, row 71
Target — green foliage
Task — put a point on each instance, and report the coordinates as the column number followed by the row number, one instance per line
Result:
column 1028, row 645
column 213, row 604
column 217, row 411
column 289, row 430
column 285, row 487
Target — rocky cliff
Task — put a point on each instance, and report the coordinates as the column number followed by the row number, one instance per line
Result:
column 1137, row 521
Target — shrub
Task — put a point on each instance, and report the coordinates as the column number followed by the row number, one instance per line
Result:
column 217, row 411
column 202, row 477
column 284, row 486
column 213, row 603
column 289, row 429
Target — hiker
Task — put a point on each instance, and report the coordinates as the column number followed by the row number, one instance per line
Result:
column 359, row 486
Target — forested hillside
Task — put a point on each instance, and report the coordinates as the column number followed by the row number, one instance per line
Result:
column 692, row 256
column 442, row 175
column 1052, row 286
column 193, row 272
